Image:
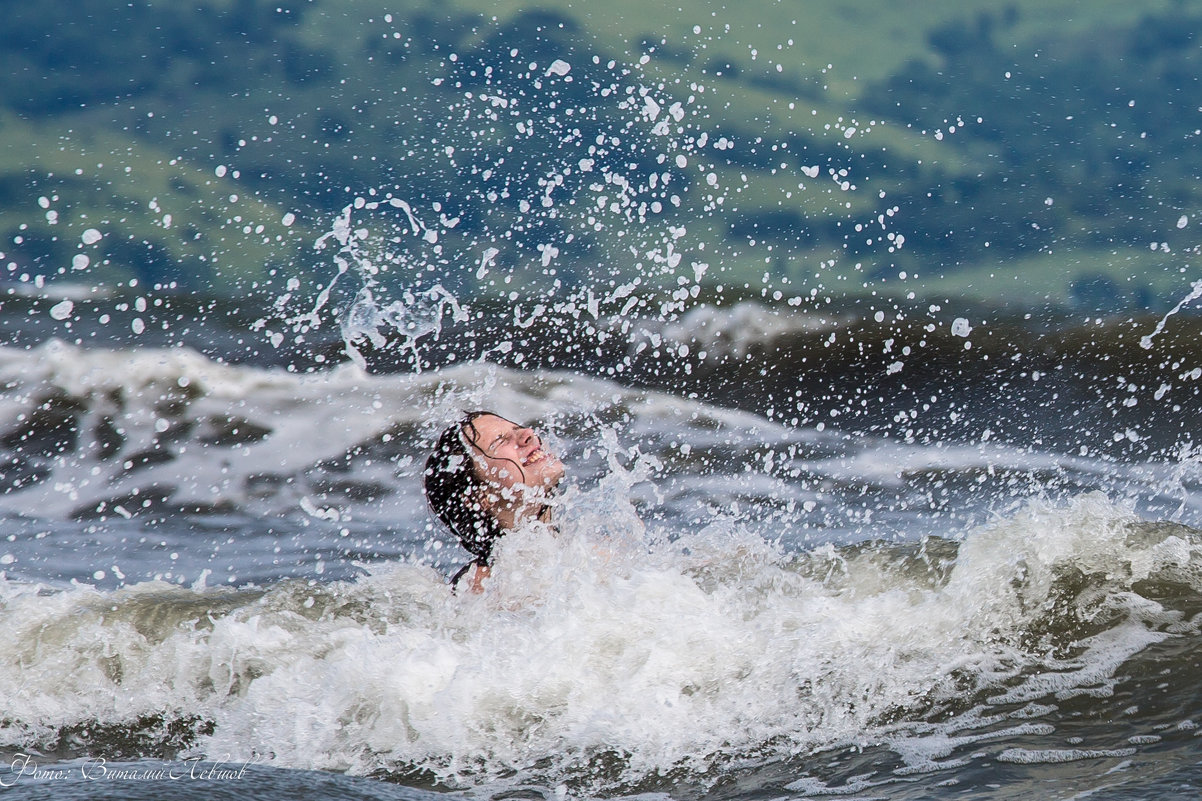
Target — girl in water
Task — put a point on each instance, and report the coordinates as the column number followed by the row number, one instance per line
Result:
column 486, row 476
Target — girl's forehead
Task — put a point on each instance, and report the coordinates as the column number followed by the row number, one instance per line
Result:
column 486, row 427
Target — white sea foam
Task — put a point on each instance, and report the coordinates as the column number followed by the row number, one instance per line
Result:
column 1026, row 756
column 734, row 330
column 594, row 640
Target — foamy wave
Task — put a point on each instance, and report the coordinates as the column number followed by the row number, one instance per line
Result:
column 728, row 331
column 99, row 433
column 587, row 645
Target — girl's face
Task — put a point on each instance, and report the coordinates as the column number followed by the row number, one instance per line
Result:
column 510, row 455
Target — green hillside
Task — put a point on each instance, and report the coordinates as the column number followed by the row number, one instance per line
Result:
column 95, row 206
column 1021, row 152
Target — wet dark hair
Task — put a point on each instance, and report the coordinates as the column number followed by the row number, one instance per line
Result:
column 455, row 491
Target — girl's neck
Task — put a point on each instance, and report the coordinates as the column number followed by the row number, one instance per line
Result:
column 513, row 514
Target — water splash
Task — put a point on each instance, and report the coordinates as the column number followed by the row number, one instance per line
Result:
column 1145, row 341
column 418, row 313
column 588, row 178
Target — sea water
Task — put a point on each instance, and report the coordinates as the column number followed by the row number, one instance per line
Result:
column 228, row 565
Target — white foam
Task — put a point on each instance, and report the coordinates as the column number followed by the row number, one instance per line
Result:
column 732, row 330
column 1026, row 756
column 588, row 641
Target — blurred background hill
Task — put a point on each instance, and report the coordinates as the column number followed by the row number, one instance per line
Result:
column 1030, row 151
